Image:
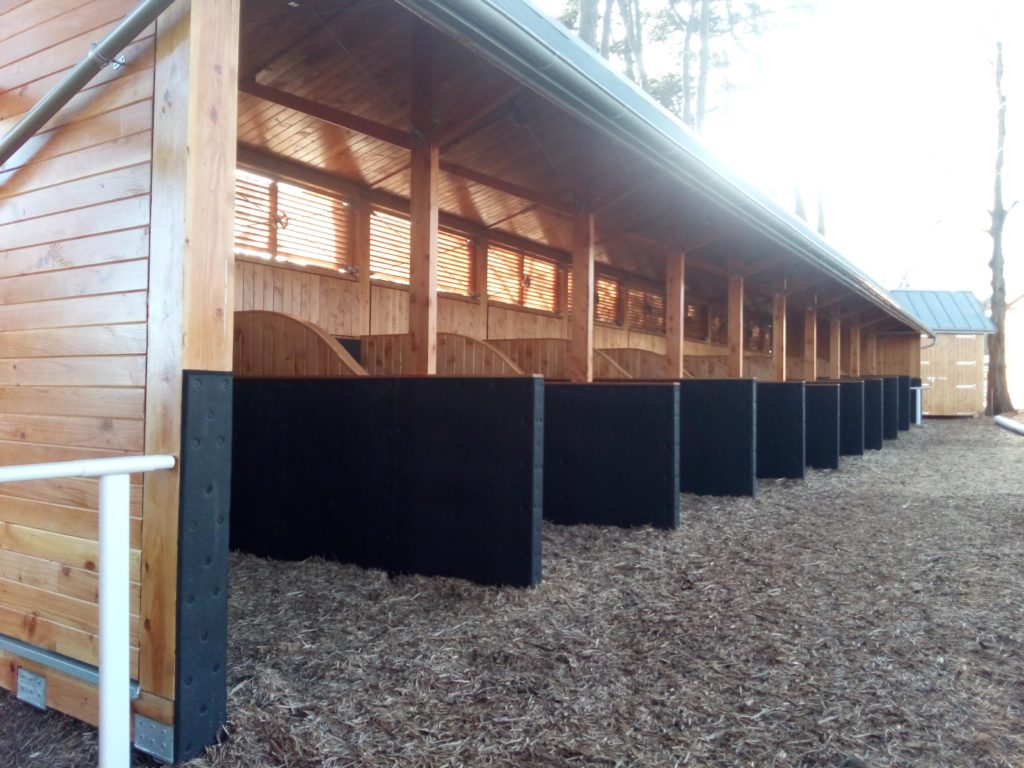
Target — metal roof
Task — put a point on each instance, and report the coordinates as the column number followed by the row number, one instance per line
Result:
column 946, row 311
column 519, row 38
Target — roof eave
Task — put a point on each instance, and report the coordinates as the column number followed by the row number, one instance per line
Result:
column 563, row 70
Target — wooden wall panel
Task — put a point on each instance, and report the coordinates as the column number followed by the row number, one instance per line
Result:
column 276, row 344
column 952, row 371
column 74, row 281
column 899, row 355
column 505, row 322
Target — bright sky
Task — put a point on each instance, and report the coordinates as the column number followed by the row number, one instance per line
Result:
column 888, row 108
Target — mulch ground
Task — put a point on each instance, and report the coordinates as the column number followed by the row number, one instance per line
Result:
column 872, row 616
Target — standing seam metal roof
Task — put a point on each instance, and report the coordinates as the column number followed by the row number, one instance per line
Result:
column 516, row 36
column 946, row 311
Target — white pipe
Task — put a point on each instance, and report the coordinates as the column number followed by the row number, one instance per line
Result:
column 115, row 496
column 1011, row 424
column 118, row 465
column 115, row 704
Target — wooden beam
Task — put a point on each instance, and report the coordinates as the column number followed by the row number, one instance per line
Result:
column 423, row 207
column 761, row 266
column 835, row 336
column 509, row 188
column 477, row 116
column 735, row 319
column 331, row 115
column 811, row 344
column 191, row 281
column 480, row 248
column 675, row 313
column 779, row 335
column 361, row 211
column 581, row 345
column 854, row 350
column 703, row 265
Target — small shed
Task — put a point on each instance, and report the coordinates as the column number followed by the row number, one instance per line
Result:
column 953, row 366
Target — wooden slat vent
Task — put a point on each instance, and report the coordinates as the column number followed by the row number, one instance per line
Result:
column 285, row 222
column 514, row 277
column 390, row 245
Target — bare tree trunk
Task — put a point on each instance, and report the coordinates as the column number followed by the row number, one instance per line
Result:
column 638, row 38
column 627, row 52
column 606, row 27
column 798, row 203
column 588, row 22
column 630, row 10
column 999, row 393
column 687, row 25
column 705, row 63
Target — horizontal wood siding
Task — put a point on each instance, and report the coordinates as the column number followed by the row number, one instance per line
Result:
column 74, row 248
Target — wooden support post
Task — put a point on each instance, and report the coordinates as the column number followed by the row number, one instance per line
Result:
column 581, row 345
column 361, row 261
column 735, row 319
column 191, row 268
column 835, row 335
column 563, row 302
column 423, row 207
column 870, row 364
column 675, row 313
column 811, row 344
column 480, row 247
column 854, row 350
column 779, row 335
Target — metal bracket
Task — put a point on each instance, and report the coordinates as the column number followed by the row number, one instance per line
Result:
column 115, row 63
column 155, row 739
column 32, row 688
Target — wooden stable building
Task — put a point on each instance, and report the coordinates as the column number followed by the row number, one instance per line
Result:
column 953, row 363
column 270, row 210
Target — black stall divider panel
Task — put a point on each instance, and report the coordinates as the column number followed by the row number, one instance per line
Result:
column 780, row 429
column 611, row 454
column 851, row 418
column 874, row 414
column 718, row 436
column 904, row 401
column 891, row 407
column 823, row 426
column 437, row 476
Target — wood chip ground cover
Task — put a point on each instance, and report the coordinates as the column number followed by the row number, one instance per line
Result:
column 866, row 617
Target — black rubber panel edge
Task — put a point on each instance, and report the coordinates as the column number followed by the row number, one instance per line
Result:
column 874, row 410
column 718, row 436
column 611, row 454
column 437, row 476
column 781, row 421
column 904, row 401
column 200, row 698
column 823, row 426
column 891, row 407
column 851, row 418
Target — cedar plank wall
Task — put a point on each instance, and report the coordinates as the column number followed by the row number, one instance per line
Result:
column 332, row 303
column 74, row 247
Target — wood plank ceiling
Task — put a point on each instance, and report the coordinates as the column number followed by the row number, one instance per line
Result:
column 510, row 159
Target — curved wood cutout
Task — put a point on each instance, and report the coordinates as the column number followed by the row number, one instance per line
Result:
column 279, row 345
column 457, row 355
column 640, row 363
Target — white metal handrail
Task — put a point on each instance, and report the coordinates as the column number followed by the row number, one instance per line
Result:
column 115, row 640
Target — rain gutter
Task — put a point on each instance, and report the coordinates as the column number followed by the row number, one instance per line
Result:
column 101, row 54
column 518, row 38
